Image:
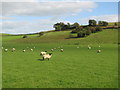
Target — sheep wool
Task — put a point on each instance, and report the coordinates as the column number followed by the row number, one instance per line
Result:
column 42, row 53
column 47, row 56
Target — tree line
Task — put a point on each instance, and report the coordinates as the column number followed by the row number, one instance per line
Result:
column 81, row 31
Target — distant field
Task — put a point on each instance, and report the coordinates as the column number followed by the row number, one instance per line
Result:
column 73, row 68
column 109, row 36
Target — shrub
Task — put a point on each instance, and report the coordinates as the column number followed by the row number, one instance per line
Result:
column 98, row 29
column 88, row 32
column 24, row 36
column 81, row 34
column 92, row 29
column 77, row 29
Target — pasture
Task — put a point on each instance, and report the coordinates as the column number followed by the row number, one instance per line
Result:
column 73, row 68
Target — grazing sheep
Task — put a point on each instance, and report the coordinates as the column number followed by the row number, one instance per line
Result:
column 89, row 47
column 5, row 50
column 52, row 50
column 24, row 50
column 13, row 49
column 43, row 53
column 47, row 56
column 61, row 50
column 2, row 47
column 31, row 49
column 78, row 47
column 98, row 51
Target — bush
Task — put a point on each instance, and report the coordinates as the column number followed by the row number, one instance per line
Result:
column 98, row 29
column 25, row 36
column 92, row 29
column 81, row 34
column 88, row 32
column 77, row 29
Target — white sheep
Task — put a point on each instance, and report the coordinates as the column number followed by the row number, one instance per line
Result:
column 52, row 50
column 6, row 50
column 43, row 53
column 98, row 51
column 89, row 47
column 61, row 50
column 31, row 49
column 24, row 50
column 47, row 56
column 13, row 49
column 2, row 47
column 78, row 47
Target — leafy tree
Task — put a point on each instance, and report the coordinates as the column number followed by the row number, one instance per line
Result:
column 76, row 25
column 92, row 23
column 102, row 23
column 77, row 29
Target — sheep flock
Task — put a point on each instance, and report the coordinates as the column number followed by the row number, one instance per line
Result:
column 45, row 54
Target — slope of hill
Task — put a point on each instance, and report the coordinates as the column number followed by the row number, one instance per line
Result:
column 109, row 36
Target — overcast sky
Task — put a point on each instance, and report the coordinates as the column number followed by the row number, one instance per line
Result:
column 35, row 16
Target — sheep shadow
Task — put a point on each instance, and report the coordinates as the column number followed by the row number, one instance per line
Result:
column 40, row 59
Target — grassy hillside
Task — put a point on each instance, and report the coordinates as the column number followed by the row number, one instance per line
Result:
column 108, row 36
column 73, row 68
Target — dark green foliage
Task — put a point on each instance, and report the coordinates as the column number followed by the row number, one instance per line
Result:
column 92, row 23
column 61, row 26
column 98, row 29
column 115, row 24
column 88, row 32
column 92, row 29
column 102, row 23
column 77, row 29
column 81, row 34
column 24, row 36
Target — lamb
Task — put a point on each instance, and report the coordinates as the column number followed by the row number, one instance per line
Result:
column 47, row 56
column 52, row 50
column 24, row 50
column 6, row 50
column 43, row 53
column 98, row 51
column 31, row 49
column 89, row 47
column 13, row 49
column 61, row 50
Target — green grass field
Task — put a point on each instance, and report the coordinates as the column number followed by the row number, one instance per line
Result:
column 73, row 68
